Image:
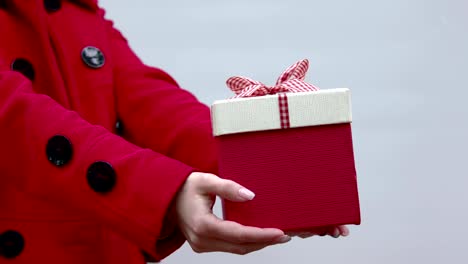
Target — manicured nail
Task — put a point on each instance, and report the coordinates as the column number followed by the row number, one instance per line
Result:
column 247, row 194
column 345, row 233
column 284, row 239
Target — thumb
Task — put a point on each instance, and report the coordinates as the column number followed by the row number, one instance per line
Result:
column 226, row 189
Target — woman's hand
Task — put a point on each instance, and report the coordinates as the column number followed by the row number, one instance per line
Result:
column 205, row 232
column 333, row 231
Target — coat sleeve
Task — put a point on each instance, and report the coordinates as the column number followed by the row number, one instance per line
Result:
column 157, row 114
column 145, row 181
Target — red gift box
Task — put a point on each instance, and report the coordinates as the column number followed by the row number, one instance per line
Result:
column 292, row 148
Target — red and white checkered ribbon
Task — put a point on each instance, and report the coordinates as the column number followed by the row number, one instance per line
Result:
column 290, row 81
column 283, row 110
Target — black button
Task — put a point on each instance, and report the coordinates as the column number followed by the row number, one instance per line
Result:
column 101, row 177
column 59, row 150
column 52, row 5
column 11, row 244
column 93, row 57
column 119, row 127
column 23, row 66
column 148, row 257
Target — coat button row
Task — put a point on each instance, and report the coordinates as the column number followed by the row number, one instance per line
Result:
column 11, row 244
column 50, row 5
column 101, row 176
column 91, row 56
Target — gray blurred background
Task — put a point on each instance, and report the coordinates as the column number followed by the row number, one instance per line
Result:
column 406, row 63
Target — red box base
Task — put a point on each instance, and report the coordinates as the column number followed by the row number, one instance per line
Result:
column 303, row 178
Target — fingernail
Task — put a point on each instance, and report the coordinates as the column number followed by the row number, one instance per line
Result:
column 247, row 194
column 284, row 239
column 336, row 233
column 345, row 233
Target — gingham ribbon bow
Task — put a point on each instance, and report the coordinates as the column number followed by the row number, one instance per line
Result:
column 292, row 80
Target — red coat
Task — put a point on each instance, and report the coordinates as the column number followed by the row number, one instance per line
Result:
column 94, row 144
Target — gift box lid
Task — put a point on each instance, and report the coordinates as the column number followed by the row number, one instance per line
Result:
column 240, row 115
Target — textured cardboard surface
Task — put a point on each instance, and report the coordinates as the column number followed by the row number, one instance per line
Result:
column 323, row 107
column 303, row 178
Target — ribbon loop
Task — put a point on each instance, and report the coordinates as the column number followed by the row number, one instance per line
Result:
column 291, row 80
column 295, row 71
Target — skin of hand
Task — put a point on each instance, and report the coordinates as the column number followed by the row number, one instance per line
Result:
column 205, row 232
column 333, row 231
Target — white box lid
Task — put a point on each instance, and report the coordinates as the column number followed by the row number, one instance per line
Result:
column 323, row 107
